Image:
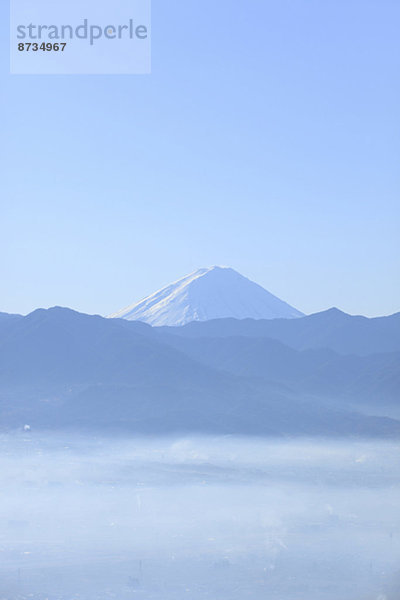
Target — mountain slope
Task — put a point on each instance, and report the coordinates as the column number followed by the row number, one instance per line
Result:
column 373, row 379
column 59, row 368
column 332, row 329
column 212, row 293
column 8, row 317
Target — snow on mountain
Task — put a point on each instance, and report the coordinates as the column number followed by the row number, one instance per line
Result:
column 210, row 293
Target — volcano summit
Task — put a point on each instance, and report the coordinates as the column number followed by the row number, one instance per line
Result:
column 210, row 293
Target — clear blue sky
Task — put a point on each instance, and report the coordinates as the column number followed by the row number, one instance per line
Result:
column 266, row 139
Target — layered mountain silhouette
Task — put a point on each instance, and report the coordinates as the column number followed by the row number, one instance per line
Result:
column 333, row 329
column 59, row 368
column 211, row 293
column 321, row 372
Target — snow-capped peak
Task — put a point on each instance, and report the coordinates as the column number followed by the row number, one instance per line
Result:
column 209, row 293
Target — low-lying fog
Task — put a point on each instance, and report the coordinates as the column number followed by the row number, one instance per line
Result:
column 198, row 518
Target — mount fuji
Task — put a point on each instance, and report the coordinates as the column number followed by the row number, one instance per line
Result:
column 210, row 293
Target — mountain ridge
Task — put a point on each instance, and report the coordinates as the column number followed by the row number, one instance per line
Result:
column 60, row 368
column 331, row 329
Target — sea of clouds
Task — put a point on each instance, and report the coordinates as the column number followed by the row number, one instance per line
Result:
column 87, row 518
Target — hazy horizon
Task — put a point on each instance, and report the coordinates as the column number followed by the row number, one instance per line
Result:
column 167, row 518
